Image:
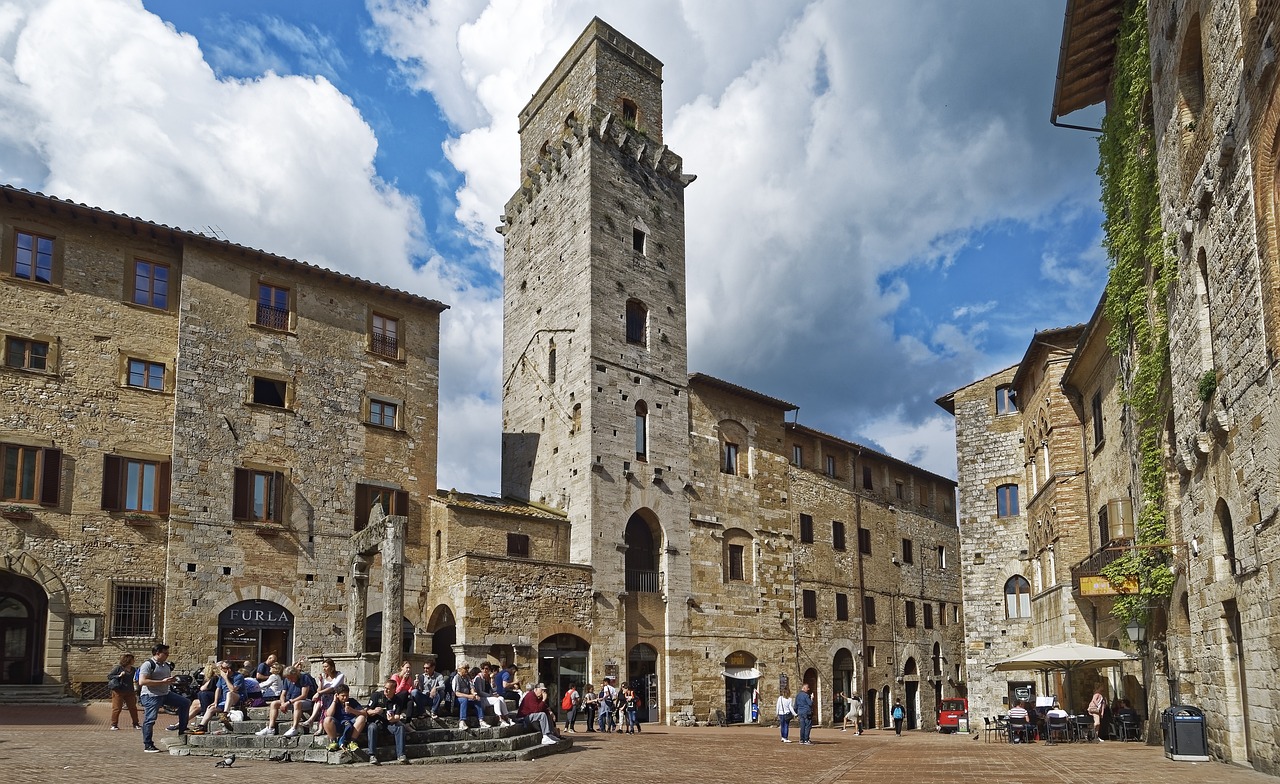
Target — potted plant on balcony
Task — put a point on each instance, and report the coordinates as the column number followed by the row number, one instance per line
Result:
column 15, row 512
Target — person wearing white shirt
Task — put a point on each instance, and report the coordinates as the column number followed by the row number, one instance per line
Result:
column 786, row 709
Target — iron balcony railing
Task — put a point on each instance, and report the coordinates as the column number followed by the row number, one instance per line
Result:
column 642, row 581
column 273, row 318
column 384, row 345
column 1094, row 564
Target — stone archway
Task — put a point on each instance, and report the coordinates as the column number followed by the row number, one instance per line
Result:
column 23, row 572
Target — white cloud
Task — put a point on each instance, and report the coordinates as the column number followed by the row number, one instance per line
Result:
column 929, row 442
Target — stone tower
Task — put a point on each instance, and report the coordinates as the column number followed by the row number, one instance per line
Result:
column 595, row 411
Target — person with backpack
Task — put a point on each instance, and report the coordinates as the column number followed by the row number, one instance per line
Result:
column 608, row 703
column 569, row 704
column 156, row 677
column 899, row 713
column 588, row 704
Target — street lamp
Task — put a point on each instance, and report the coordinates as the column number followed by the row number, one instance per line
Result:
column 1137, row 633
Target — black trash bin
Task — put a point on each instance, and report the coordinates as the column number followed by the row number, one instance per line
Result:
column 1184, row 734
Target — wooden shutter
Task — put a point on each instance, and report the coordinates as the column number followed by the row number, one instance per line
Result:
column 163, row 488
column 401, row 503
column 51, row 477
column 111, row 483
column 277, row 497
column 240, row 495
column 362, row 507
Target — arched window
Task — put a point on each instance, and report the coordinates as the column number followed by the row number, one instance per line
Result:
column 1227, row 531
column 642, row 431
column 1017, row 597
column 637, row 322
column 641, row 558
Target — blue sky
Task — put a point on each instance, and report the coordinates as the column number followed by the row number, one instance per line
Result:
column 883, row 212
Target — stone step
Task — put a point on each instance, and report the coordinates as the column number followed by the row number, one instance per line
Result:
column 36, row 694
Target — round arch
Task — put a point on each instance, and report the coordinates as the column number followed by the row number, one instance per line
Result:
column 47, row 660
column 444, row 633
column 644, row 539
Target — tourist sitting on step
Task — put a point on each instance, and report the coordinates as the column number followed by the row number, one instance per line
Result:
column 330, row 680
column 205, row 693
column 296, row 696
column 230, row 686
column 429, row 692
column 386, row 712
column 274, row 684
column 535, row 712
column 344, row 720
column 484, row 689
column 506, row 684
column 262, row 673
column 465, row 693
column 251, row 696
column 404, row 684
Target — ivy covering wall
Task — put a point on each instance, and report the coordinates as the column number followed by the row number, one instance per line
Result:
column 1136, row 301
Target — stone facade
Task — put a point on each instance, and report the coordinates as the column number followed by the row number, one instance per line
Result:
column 160, row 388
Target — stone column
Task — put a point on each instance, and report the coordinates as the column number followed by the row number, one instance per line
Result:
column 357, row 603
column 393, row 592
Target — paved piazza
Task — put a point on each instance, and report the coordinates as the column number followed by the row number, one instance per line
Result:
column 39, row 744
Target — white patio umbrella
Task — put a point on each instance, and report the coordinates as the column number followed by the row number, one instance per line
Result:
column 1065, row 656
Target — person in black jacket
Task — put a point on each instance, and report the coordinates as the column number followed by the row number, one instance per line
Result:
column 386, row 711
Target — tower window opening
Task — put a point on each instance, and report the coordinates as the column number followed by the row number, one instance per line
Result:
column 637, row 241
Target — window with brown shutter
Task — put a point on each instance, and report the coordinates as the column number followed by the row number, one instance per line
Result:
column 518, row 545
column 258, row 496
column 133, row 485
column 394, row 502
column 30, row 474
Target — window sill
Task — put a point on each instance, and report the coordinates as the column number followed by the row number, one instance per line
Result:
column 167, row 311
column 267, row 407
column 53, row 288
column 26, row 371
column 17, row 516
column 290, row 331
column 141, row 519
column 398, row 359
column 148, row 390
column 393, row 431
column 267, row 530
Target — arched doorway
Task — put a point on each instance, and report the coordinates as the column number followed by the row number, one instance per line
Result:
column 642, row 537
column 373, row 636
column 741, row 688
column 249, row 630
column 911, row 696
column 562, row 659
column 23, row 616
column 811, row 678
column 444, row 633
column 886, row 705
column 843, row 681
column 642, row 674
column 869, row 710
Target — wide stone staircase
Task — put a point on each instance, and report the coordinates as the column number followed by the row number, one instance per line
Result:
column 427, row 741
column 44, row 694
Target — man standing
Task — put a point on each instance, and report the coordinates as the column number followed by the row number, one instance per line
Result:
column 155, row 677
column 608, row 703
column 899, row 713
column 804, row 712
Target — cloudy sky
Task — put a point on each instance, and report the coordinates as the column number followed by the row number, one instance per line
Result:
column 883, row 212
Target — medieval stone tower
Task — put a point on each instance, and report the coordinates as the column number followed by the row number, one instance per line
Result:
column 595, row 411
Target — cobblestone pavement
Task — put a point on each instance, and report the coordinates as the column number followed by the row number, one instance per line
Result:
column 73, row 744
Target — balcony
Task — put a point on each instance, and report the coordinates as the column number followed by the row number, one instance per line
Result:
column 384, row 345
column 642, row 581
column 273, row 318
column 1092, row 567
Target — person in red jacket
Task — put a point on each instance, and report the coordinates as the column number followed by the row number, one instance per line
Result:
column 535, row 711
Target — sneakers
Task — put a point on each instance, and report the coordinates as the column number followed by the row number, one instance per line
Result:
column 333, row 746
column 842, row 729
column 402, row 759
column 547, row 740
column 150, row 750
column 462, row 725
column 114, row 727
column 267, row 730
column 353, row 746
column 373, row 760
column 787, row 740
column 291, row 732
column 139, row 726
column 195, row 729
column 170, row 728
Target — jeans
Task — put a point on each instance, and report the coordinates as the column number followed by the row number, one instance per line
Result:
column 784, row 725
column 423, row 700
column 606, row 718
column 151, row 708
column 897, row 726
column 397, row 732
column 631, row 718
column 463, row 702
column 806, row 725
column 571, row 718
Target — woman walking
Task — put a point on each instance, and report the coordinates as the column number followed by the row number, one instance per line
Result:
column 123, row 691
column 786, row 709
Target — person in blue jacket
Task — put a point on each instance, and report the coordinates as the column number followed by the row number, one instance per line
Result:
column 804, row 712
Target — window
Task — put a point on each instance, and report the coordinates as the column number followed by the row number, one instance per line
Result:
column 551, row 363
column 259, row 496
column 928, row 615
column 150, row 284
column 384, row 336
column 866, row 478
column 736, row 562
column 270, row 392
column 1005, row 401
column 942, row 613
column 135, row 485
column 1104, row 525
column 948, row 501
column 630, row 113
column 837, row 535
column 146, row 375
column 810, row 604
column 869, row 609
column 518, row 545
column 908, row 554
column 806, row 529
column 922, row 496
column 1007, row 501
column 797, row 455
column 273, row 307
column 33, row 257
column 1017, row 597
column 637, row 322
column 842, row 607
column 1095, row 407
column 869, row 656
column 642, row 431
column 30, row 474
column 383, row 413
column 864, row 540
column 637, row 241
column 942, row 556
column 729, row 465
column 831, row 465
column 911, row 615
column 898, row 489
column 133, row 611
column 393, row 501
column 26, row 354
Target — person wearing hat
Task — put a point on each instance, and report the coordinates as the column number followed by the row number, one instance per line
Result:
column 536, row 713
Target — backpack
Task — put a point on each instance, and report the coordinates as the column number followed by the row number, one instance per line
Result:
column 567, row 702
column 898, row 712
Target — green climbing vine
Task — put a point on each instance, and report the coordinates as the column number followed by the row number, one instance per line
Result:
column 1141, row 272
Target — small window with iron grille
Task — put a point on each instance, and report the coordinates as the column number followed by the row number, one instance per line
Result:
column 133, row 610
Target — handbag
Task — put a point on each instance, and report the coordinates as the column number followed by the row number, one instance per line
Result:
column 113, row 683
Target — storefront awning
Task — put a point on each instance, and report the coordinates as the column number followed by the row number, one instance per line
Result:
column 741, row 673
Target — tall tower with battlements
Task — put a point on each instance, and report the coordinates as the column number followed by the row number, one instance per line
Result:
column 594, row 405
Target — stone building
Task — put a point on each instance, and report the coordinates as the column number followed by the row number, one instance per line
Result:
column 673, row 530
column 191, row 432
